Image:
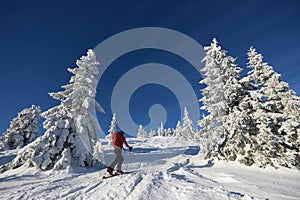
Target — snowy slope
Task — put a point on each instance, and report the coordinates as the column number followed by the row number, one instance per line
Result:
column 162, row 168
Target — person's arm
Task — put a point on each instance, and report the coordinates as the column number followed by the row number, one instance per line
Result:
column 125, row 142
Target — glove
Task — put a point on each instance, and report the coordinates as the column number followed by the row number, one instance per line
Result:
column 130, row 148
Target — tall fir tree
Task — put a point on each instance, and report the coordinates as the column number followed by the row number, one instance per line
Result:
column 141, row 132
column 260, row 133
column 220, row 96
column 71, row 127
column 233, row 94
column 152, row 133
column 112, row 128
column 161, row 130
column 213, row 97
column 279, row 124
column 23, row 129
column 187, row 132
column 177, row 129
column 169, row 132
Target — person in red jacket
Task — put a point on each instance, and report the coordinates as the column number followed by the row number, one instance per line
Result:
column 118, row 140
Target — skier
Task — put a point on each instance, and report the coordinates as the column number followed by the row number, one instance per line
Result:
column 117, row 142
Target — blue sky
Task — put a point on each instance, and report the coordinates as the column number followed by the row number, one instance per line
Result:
column 39, row 41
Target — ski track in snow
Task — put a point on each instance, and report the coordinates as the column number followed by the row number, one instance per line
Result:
column 162, row 169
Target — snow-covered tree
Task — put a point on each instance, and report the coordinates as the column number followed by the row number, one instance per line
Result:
column 23, row 129
column 71, row 127
column 280, row 124
column 177, row 130
column 169, row 132
column 234, row 93
column 270, row 146
column 112, row 128
column 220, row 96
column 262, row 116
column 161, row 130
column 141, row 132
column 283, row 108
column 187, row 131
column 152, row 133
column 98, row 153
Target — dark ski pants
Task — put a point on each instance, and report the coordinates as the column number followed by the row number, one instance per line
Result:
column 118, row 159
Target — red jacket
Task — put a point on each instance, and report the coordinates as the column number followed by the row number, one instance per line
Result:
column 118, row 139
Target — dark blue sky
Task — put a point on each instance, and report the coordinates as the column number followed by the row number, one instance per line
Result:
column 39, row 40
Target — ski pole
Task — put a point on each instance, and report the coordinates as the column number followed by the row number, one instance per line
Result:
column 128, row 159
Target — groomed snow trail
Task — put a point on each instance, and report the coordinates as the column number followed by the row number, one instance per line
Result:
column 162, row 168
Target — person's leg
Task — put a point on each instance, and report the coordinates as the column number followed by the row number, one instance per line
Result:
column 118, row 158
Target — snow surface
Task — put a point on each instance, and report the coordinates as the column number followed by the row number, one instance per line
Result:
column 162, row 168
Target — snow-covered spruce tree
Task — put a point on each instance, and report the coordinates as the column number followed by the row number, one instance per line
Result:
column 260, row 137
column 152, row 133
column 213, row 97
column 220, row 96
column 112, row 128
column 161, row 130
column 23, row 129
column 243, row 120
column 187, row 132
column 235, row 116
column 169, row 132
column 283, row 106
column 234, row 93
column 279, row 125
column 141, row 132
column 177, row 130
column 70, row 136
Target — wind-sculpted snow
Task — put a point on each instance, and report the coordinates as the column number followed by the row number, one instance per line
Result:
column 163, row 168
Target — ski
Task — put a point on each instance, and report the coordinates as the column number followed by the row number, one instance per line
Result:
column 110, row 176
column 117, row 174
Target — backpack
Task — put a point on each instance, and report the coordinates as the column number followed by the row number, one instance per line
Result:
column 117, row 139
